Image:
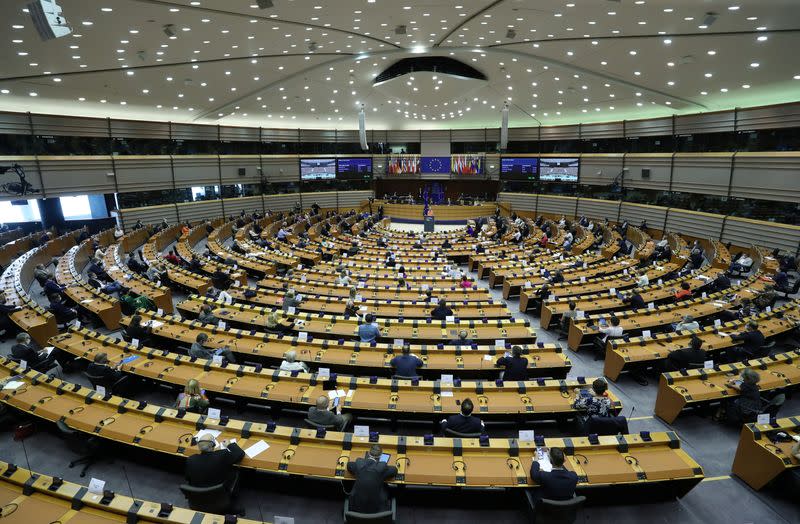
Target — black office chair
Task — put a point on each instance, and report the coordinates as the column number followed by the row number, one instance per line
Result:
column 452, row 433
column 384, row 517
column 87, row 447
column 789, row 291
column 403, row 377
column 546, row 511
column 109, row 385
column 772, row 407
column 606, row 425
column 313, row 425
column 212, row 499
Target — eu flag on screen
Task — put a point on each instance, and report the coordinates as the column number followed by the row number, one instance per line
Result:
column 435, row 164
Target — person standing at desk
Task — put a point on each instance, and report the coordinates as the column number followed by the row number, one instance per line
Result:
column 516, row 366
column 369, row 494
column 368, row 331
column 557, row 484
column 406, row 365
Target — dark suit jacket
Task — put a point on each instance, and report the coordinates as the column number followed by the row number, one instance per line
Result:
column 28, row 354
column 369, row 491
column 462, row 424
column 209, row 469
column 441, row 313
column 516, row 368
column 558, row 484
column 751, row 341
column 109, row 375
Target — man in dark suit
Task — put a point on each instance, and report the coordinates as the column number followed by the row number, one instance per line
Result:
column 516, row 367
column 751, row 340
column 369, row 493
column 441, row 311
column 209, row 468
column 35, row 359
column 634, row 300
column 463, row 422
column 681, row 358
column 558, row 484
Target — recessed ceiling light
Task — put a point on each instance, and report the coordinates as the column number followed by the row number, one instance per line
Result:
column 87, row 22
column 33, row 93
column 106, row 9
column 733, row 8
column 5, row 91
column 56, row 79
column 667, row 41
column 632, row 53
column 22, row 53
column 762, row 38
column 17, row 26
column 712, row 52
column 745, row 86
column 754, row 64
column 81, row 99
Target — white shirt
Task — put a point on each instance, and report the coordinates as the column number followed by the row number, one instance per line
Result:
column 293, row 366
column 225, row 297
column 643, row 280
column 745, row 261
column 611, row 331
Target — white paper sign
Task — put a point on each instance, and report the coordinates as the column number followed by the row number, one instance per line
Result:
column 447, row 379
column 361, row 431
column 717, row 323
column 255, row 450
column 222, row 324
column 101, row 390
column 526, row 435
column 217, row 359
column 23, row 364
column 708, row 364
column 398, row 342
column 291, row 310
column 97, row 486
column 324, row 373
column 214, row 413
column 450, row 319
column 768, row 309
column 303, row 336
column 580, row 314
column 651, row 306
column 583, row 279
column 499, row 343
column 135, row 342
column 660, row 282
column 762, row 419
column 646, row 333
column 528, row 285
column 703, row 295
column 487, row 357
column 612, row 291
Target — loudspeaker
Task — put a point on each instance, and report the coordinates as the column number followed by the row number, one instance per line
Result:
column 504, row 128
column 362, row 130
column 645, row 173
column 242, row 171
column 47, row 19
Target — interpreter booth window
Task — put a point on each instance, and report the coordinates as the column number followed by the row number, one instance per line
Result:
column 83, row 207
column 19, row 211
column 205, row 193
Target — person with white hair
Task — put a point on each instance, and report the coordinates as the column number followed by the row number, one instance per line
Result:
column 290, row 362
column 214, row 466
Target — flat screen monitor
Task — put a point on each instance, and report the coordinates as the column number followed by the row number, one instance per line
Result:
column 518, row 168
column 317, row 168
column 403, row 164
column 563, row 170
column 435, row 164
column 354, row 168
column 466, row 164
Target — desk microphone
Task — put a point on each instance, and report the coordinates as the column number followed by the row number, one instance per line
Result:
column 633, row 408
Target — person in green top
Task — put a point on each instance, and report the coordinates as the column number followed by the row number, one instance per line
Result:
column 134, row 302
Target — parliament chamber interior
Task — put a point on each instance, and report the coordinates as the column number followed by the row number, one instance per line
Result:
column 278, row 261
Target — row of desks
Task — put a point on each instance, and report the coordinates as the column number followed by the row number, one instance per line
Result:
column 349, row 356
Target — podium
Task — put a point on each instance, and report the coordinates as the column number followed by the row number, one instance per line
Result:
column 428, row 224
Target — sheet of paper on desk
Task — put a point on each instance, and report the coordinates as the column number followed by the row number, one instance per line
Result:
column 447, row 393
column 154, row 323
column 220, row 446
column 257, row 448
column 213, row 432
column 87, row 300
column 332, row 394
column 13, row 384
column 341, row 393
column 48, row 350
column 487, row 357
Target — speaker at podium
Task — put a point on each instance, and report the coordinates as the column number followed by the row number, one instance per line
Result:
column 428, row 224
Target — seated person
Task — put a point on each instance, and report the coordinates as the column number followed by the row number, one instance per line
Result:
column 558, row 484
column 766, row 298
column 323, row 413
column 683, row 293
column 60, row 310
column 41, row 274
column 37, row 360
column 465, row 282
column 745, row 310
column 463, row 422
column 290, row 300
column 136, row 330
column 682, row 358
column 350, row 309
column 406, row 365
column 642, row 279
column 593, row 403
column 353, row 249
column 199, row 351
column 51, row 287
column 369, row 494
column 515, row 365
column 746, row 407
column 209, row 467
column 742, row 264
column 721, row 283
column 462, row 339
column 133, row 302
column 782, row 283
column 557, row 278
column 568, row 315
column 225, row 297
column 687, row 324
column 368, row 331
column 193, row 398
column 441, row 311
column 109, row 376
column 751, row 341
column 290, row 362
column 634, row 300
column 275, row 323
column 206, row 315
column 612, row 329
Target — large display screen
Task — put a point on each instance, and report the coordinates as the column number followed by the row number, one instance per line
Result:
column 559, row 169
column 354, row 168
column 518, row 168
column 403, row 164
column 317, row 168
column 435, row 164
column 466, row 164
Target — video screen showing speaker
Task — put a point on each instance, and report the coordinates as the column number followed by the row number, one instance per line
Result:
column 317, row 168
column 466, row 164
column 435, row 164
column 354, row 169
column 518, row 168
column 403, row 164
column 564, row 170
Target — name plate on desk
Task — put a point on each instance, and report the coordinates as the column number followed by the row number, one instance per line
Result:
column 323, row 373
column 97, row 486
column 214, row 413
column 762, row 419
column 526, row 435
column 361, row 431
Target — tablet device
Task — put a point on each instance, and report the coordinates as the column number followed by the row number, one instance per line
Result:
column 385, row 458
column 335, row 402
